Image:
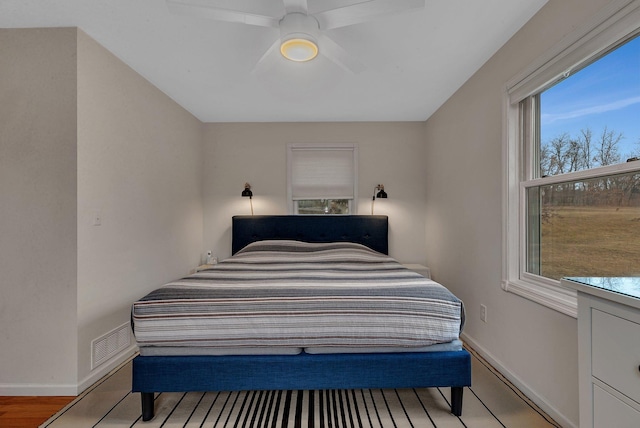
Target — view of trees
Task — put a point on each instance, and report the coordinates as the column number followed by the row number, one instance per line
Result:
column 564, row 154
column 569, row 154
column 575, row 215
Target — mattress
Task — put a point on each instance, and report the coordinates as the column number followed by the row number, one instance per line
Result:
column 293, row 296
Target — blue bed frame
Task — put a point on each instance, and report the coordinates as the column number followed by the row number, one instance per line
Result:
column 152, row 374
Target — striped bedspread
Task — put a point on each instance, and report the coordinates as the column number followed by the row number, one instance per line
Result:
column 298, row 295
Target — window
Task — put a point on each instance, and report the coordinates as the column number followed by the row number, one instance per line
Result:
column 573, row 200
column 322, row 178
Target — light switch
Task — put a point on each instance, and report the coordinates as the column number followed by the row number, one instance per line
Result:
column 97, row 218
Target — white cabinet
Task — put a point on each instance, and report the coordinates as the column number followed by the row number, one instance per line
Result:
column 609, row 353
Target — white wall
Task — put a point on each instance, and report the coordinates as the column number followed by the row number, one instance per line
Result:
column 390, row 153
column 37, row 210
column 535, row 346
column 140, row 167
column 82, row 133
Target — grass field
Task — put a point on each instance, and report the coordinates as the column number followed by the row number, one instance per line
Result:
column 591, row 241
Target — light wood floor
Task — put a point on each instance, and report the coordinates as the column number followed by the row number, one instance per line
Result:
column 29, row 412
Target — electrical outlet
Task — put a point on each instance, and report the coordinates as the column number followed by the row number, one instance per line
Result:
column 483, row 313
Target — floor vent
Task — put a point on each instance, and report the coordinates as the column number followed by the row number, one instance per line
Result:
column 110, row 344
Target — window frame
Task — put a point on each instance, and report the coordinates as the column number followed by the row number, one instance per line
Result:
column 608, row 29
column 293, row 206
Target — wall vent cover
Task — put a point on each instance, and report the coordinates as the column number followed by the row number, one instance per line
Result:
column 110, row 344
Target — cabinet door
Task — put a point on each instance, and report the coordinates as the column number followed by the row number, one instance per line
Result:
column 609, row 412
column 616, row 353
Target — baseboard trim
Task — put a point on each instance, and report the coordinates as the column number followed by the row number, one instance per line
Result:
column 518, row 383
column 67, row 390
column 106, row 368
column 37, row 389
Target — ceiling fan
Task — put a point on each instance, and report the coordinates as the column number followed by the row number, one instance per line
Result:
column 302, row 34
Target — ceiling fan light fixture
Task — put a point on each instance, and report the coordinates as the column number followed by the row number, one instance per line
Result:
column 298, row 36
column 299, row 49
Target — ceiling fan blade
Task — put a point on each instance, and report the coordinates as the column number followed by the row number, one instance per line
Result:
column 338, row 55
column 269, row 57
column 363, row 12
column 218, row 14
column 296, row 6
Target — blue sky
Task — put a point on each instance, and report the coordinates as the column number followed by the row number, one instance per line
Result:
column 606, row 93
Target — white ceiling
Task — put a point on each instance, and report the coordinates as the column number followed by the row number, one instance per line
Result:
column 414, row 61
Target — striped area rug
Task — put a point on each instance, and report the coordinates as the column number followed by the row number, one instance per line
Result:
column 313, row 409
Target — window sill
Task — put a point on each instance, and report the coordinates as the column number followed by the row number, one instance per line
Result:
column 552, row 296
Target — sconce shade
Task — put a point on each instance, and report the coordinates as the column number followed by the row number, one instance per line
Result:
column 247, row 190
column 381, row 194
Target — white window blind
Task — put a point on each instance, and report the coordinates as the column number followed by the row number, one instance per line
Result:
column 322, row 172
column 617, row 20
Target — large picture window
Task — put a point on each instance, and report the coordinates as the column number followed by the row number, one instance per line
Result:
column 586, row 224
column 322, row 178
column 573, row 170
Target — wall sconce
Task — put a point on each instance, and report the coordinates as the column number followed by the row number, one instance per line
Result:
column 247, row 192
column 381, row 194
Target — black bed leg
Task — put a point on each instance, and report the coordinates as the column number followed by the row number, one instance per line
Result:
column 456, row 400
column 147, row 405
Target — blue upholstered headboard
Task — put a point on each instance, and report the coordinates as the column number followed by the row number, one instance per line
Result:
column 369, row 230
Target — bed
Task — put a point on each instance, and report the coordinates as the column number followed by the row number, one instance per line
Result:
column 278, row 273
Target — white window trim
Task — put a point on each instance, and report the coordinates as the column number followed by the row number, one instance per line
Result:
column 353, row 206
column 615, row 22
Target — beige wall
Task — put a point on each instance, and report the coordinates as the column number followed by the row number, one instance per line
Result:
column 37, row 210
column 535, row 346
column 82, row 133
column 390, row 153
column 140, row 167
